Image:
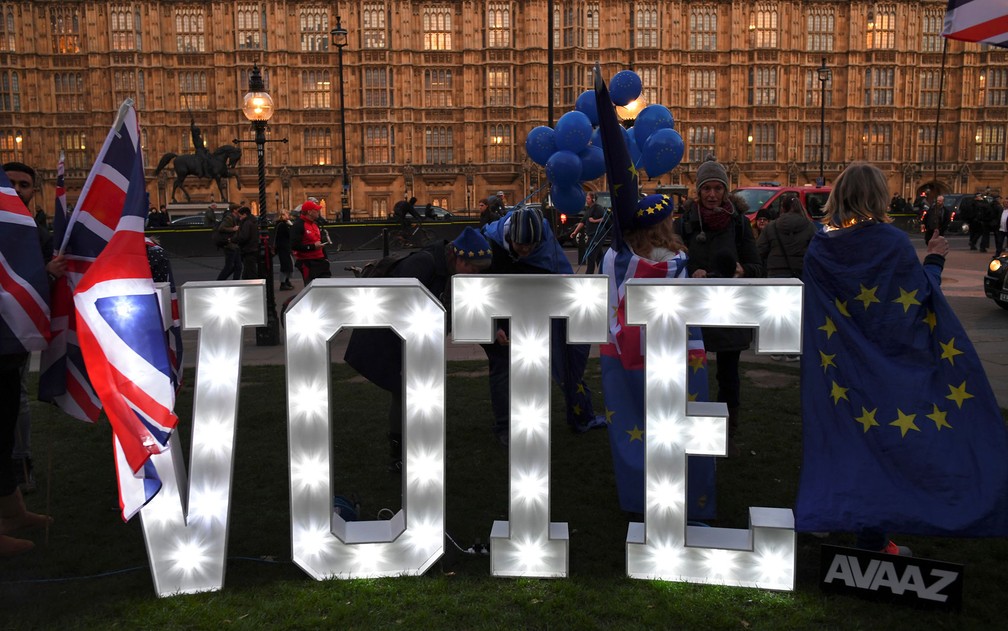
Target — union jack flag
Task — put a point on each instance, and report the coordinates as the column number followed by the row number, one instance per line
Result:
column 982, row 21
column 24, row 287
column 122, row 340
column 81, row 238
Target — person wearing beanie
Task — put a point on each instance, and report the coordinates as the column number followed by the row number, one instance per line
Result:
column 522, row 243
column 306, row 244
column 648, row 248
column 720, row 243
column 377, row 353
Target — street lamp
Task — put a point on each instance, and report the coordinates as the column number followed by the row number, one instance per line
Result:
column 339, row 39
column 258, row 108
column 824, row 76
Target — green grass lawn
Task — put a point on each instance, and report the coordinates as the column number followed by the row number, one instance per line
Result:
column 90, row 570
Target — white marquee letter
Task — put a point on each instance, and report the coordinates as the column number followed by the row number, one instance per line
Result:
column 324, row 544
column 187, row 539
column 664, row 547
column 529, row 544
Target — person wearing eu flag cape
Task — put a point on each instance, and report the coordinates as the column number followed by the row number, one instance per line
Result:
column 644, row 245
column 901, row 429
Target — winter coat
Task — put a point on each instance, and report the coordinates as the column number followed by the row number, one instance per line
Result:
column 782, row 245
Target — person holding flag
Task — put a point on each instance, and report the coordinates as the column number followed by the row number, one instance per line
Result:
column 24, row 327
column 901, row 429
column 644, row 245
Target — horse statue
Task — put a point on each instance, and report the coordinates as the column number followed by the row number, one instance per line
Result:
column 218, row 166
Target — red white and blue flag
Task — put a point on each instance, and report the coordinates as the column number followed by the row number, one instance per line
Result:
column 81, row 238
column 24, row 286
column 981, row 21
column 122, row 339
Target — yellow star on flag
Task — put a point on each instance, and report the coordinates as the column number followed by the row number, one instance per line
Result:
column 577, row 410
column 949, row 351
column 581, row 388
column 838, row 393
column 907, row 299
column 608, row 415
column 867, row 296
column 958, row 394
column 691, row 396
column 636, row 434
column 826, row 360
column 633, row 170
column 841, row 307
column 905, row 422
column 829, row 327
column 931, row 320
column 938, row 417
column 867, row 419
column 696, row 362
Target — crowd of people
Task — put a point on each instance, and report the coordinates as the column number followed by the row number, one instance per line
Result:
column 710, row 237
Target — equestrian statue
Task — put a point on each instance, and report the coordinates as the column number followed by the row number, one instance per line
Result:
column 217, row 165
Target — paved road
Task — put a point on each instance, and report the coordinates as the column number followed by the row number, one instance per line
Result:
column 985, row 322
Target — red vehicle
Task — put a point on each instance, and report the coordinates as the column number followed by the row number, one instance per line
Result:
column 813, row 199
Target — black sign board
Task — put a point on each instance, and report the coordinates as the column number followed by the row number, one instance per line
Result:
column 878, row 576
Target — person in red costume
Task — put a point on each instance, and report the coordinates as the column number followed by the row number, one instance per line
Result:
column 306, row 244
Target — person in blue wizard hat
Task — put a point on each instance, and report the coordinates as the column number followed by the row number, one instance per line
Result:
column 644, row 245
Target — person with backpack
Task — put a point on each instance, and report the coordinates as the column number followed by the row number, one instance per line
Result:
column 377, row 353
column 224, row 237
column 720, row 243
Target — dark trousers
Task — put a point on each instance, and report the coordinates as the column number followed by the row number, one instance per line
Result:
column 314, row 268
column 250, row 265
column 728, row 380
column 232, row 265
column 979, row 234
column 10, row 404
column 593, row 257
column 567, row 366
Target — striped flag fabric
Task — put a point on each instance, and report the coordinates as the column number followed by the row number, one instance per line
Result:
column 981, row 21
column 63, row 378
column 24, row 285
column 122, row 340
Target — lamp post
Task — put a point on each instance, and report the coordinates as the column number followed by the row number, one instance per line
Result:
column 824, row 76
column 339, row 39
column 258, row 109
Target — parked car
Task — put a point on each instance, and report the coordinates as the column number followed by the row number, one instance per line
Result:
column 952, row 203
column 813, row 199
column 192, row 221
column 440, row 214
column 996, row 281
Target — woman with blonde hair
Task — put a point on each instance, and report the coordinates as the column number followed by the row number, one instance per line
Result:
column 881, row 400
column 282, row 244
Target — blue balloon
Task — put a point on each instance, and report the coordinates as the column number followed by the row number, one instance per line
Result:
column 663, row 152
column 564, row 167
column 651, row 119
column 592, row 163
column 587, row 106
column 540, row 144
column 568, row 199
column 573, row 131
column 631, row 140
column 624, row 87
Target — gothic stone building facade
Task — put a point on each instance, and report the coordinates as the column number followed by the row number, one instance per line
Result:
column 439, row 95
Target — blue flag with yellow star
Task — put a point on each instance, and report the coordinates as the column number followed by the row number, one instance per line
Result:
column 901, row 428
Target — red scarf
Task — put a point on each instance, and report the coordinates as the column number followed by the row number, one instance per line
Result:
column 716, row 219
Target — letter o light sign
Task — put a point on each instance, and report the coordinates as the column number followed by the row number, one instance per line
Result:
column 186, row 525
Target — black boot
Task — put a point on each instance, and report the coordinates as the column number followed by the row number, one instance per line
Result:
column 733, row 421
column 395, row 452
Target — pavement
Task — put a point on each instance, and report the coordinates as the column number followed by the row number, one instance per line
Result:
column 962, row 281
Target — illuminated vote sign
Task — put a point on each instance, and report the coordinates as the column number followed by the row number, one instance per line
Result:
column 186, row 525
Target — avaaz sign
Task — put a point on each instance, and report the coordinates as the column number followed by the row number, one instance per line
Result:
column 186, row 525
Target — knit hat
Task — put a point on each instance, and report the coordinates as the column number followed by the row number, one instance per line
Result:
column 471, row 246
column 526, row 226
column 651, row 211
column 310, row 205
column 709, row 171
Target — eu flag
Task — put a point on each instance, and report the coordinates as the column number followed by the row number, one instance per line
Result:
column 901, row 429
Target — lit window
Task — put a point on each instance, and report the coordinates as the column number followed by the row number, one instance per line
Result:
column 318, row 145
column 499, row 24
column 437, row 28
